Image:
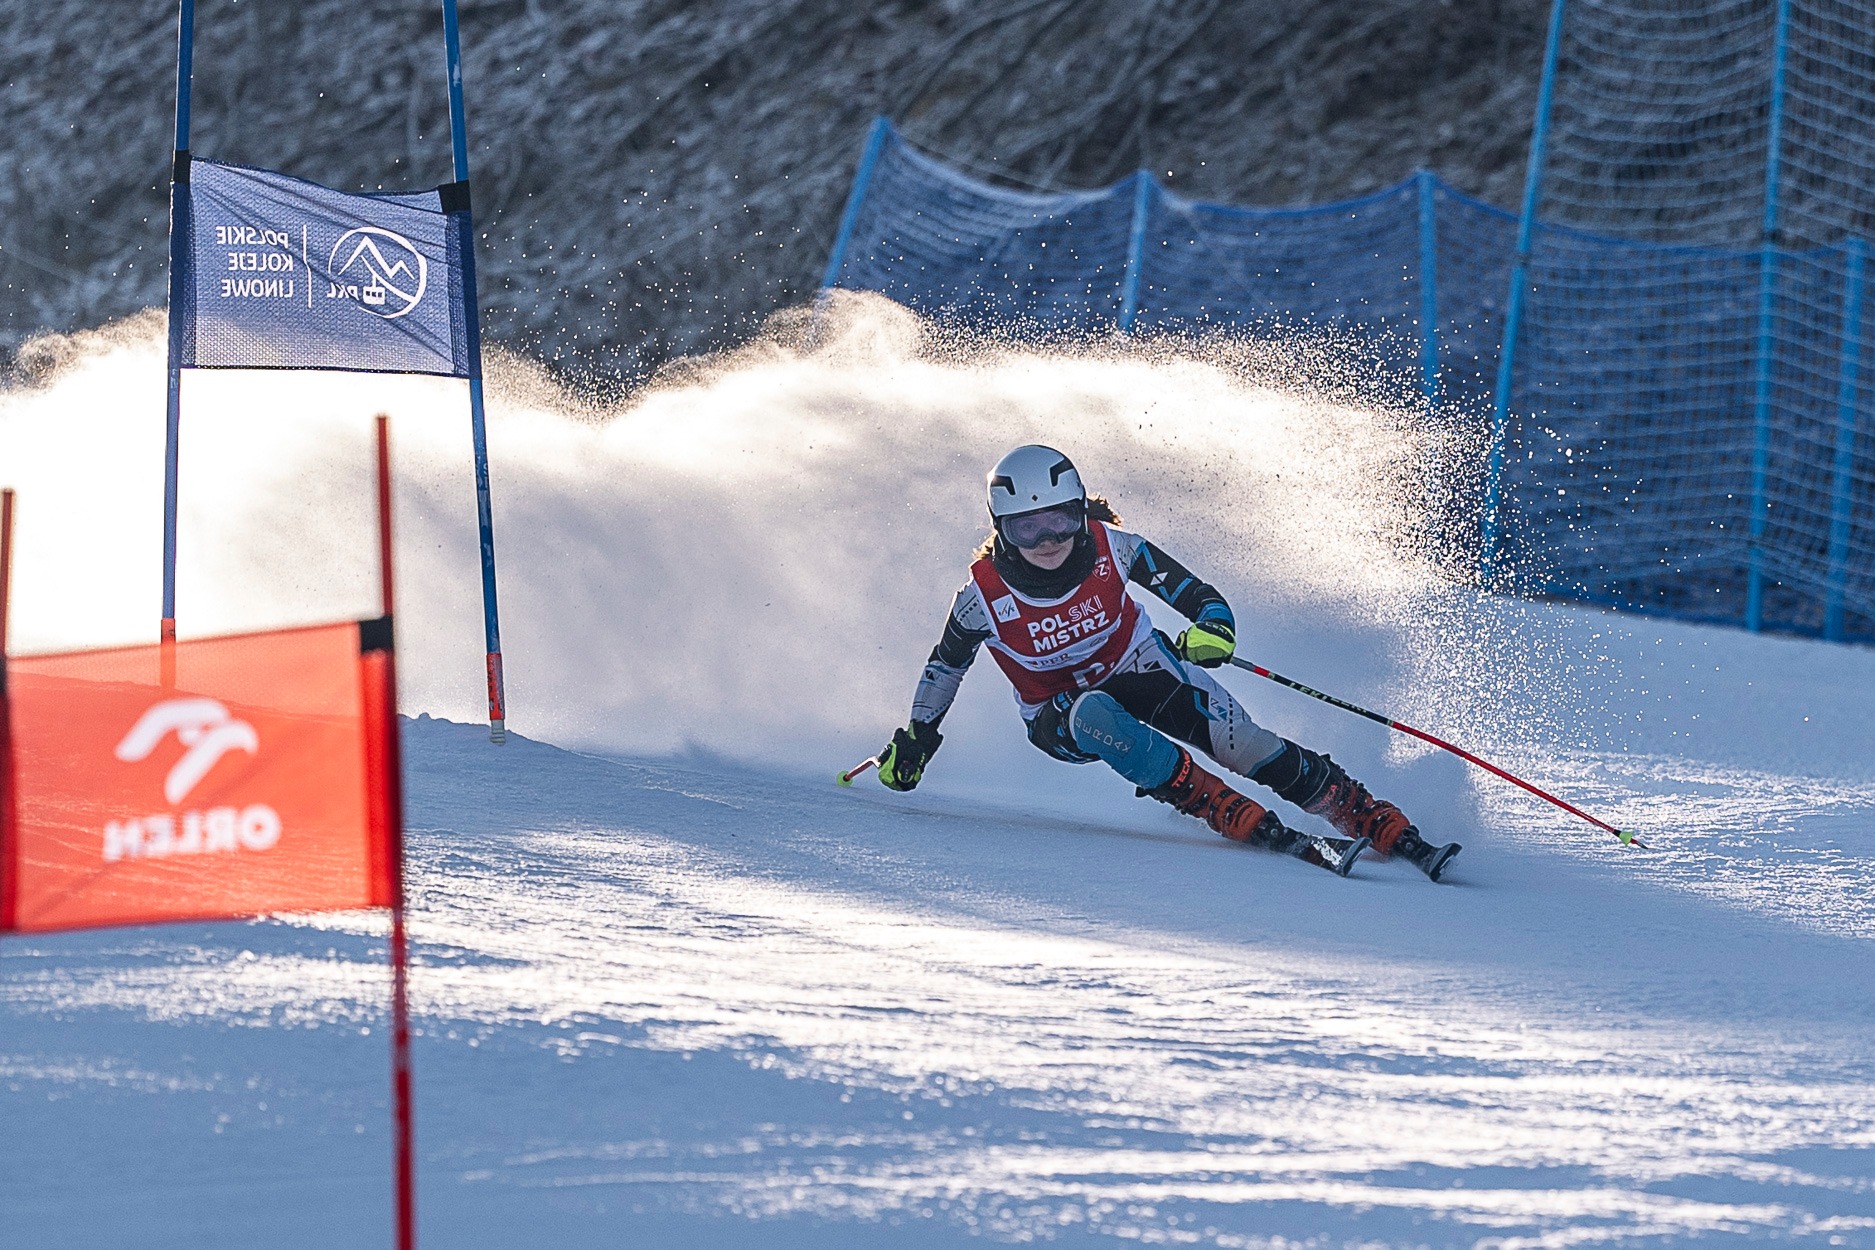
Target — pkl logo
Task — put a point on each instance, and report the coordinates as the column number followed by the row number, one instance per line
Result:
column 381, row 269
column 203, row 726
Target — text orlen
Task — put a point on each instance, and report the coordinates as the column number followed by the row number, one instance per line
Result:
column 215, row 831
column 1058, row 630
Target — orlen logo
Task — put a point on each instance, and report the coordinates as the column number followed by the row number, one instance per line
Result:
column 207, row 732
column 378, row 269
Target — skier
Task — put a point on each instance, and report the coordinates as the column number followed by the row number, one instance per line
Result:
column 1096, row 681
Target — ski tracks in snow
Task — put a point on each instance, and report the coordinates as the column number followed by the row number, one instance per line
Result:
column 694, row 1001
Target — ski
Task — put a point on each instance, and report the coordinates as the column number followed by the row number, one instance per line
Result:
column 1423, row 855
column 1337, row 855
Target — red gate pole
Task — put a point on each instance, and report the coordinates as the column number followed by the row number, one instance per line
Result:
column 6, row 565
column 400, row 948
column 9, row 884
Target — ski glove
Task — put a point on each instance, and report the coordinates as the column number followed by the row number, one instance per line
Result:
column 1208, row 644
column 901, row 764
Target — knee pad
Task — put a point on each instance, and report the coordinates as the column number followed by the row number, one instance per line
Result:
column 1049, row 730
column 1136, row 751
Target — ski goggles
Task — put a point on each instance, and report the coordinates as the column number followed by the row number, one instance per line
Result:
column 1047, row 525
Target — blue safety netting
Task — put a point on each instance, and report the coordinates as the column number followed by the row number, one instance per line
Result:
column 1137, row 257
column 1639, row 421
column 954, row 248
column 1687, row 427
column 1649, row 412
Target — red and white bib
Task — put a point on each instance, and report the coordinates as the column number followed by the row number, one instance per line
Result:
column 1046, row 647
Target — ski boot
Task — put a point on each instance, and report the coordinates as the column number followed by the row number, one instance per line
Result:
column 1346, row 804
column 1196, row 792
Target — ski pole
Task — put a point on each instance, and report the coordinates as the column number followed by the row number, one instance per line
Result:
column 846, row 778
column 1627, row 836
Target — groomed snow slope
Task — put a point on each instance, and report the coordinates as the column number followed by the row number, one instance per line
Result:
column 674, row 988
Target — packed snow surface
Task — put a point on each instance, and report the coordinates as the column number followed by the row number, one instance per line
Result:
column 675, row 988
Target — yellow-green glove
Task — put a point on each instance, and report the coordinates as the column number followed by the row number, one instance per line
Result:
column 1208, row 644
column 901, row 764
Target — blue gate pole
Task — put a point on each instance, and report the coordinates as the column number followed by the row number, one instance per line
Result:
column 1428, row 291
column 179, row 250
column 1846, row 403
column 478, row 425
column 1513, row 311
column 1136, row 250
column 1767, row 293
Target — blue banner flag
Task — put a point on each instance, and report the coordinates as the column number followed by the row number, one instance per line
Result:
column 280, row 273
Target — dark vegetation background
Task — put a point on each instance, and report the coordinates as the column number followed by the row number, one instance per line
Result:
column 653, row 177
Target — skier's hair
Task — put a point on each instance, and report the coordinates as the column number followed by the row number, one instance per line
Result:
column 1098, row 509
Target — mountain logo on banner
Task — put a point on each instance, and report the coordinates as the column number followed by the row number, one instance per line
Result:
column 381, row 271
column 203, row 726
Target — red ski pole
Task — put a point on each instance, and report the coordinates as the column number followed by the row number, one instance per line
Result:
column 846, row 778
column 1627, row 836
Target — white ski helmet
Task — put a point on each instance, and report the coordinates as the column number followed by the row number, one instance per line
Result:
column 1032, row 478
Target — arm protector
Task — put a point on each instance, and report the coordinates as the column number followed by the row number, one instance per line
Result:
column 965, row 630
column 1189, row 595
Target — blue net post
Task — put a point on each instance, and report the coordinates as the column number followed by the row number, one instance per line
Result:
column 862, row 178
column 1767, row 299
column 1143, row 186
column 484, row 509
column 179, row 234
column 1428, row 290
column 1513, row 311
column 1837, row 580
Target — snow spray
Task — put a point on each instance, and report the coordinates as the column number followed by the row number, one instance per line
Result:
column 750, row 556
